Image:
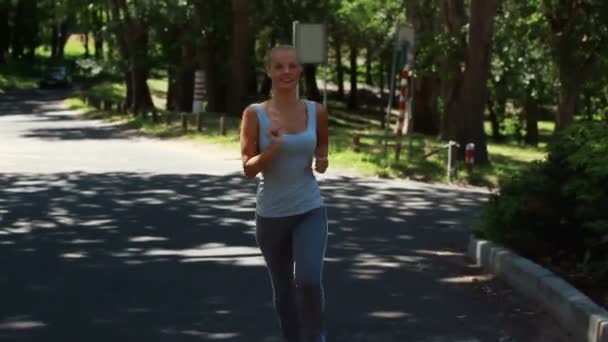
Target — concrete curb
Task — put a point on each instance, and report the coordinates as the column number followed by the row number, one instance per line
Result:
column 583, row 318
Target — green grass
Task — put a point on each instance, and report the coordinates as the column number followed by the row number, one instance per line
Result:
column 117, row 91
column 506, row 158
column 74, row 48
column 158, row 90
column 19, row 75
column 24, row 74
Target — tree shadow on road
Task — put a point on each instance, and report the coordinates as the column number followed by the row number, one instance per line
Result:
column 142, row 257
column 55, row 122
column 31, row 101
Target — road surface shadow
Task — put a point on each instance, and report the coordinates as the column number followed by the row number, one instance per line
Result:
column 139, row 257
column 51, row 120
column 30, row 102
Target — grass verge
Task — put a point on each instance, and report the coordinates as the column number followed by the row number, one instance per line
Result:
column 506, row 158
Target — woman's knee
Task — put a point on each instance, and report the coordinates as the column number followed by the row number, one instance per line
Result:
column 309, row 283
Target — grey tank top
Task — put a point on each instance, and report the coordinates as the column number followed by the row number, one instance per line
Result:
column 288, row 185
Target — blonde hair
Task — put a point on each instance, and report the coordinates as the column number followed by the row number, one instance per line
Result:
column 279, row 48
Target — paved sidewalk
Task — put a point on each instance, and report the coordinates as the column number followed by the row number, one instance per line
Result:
column 106, row 235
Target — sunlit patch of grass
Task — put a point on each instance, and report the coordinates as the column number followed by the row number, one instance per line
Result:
column 158, row 91
column 118, row 91
column 74, row 48
column 505, row 158
column 21, row 74
column 109, row 90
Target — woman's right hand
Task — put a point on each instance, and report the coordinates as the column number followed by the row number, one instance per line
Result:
column 275, row 133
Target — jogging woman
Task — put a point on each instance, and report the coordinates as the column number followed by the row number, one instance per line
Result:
column 282, row 138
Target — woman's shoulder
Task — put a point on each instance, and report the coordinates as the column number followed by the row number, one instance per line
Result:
column 252, row 108
column 250, row 113
column 320, row 109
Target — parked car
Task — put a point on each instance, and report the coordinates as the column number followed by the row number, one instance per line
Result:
column 56, row 76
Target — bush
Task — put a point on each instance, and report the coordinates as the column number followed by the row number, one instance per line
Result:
column 557, row 208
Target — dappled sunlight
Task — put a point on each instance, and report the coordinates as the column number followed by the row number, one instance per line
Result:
column 23, row 322
column 389, row 314
column 178, row 252
column 439, row 253
column 467, row 279
column 208, row 336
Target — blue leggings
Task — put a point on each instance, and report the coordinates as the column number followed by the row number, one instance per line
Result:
column 298, row 295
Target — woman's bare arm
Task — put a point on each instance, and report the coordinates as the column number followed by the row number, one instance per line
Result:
column 254, row 161
column 322, row 149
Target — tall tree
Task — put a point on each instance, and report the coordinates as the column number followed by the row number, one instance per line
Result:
column 469, row 105
column 26, row 29
column 337, row 43
column 427, row 24
column 212, row 42
column 5, row 29
column 241, row 41
column 578, row 42
column 454, row 44
column 310, row 80
column 98, row 24
column 132, row 30
column 361, row 20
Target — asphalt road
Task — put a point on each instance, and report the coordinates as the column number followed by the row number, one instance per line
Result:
column 107, row 235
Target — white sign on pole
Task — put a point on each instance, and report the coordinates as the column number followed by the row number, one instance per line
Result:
column 406, row 36
column 200, row 91
column 310, row 43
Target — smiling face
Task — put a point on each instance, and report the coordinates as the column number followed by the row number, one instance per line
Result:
column 283, row 68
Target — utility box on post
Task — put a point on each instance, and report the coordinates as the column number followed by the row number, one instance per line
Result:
column 200, row 92
column 310, row 42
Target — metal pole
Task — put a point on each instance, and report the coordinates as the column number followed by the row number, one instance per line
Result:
column 450, row 161
column 326, row 65
column 325, row 86
column 391, row 91
column 294, row 40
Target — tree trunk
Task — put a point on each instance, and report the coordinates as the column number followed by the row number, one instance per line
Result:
column 171, row 103
column 54, row 42
column 185, row 79
column 216, row 91
column 252, row 72
column 352, row 96
column 474, row 89
column 129, row 100
column 454, row 19
column 87, row 53
column 110, row 46
column 185, row 88
column 382, row 83
column 381, row 80
column 368, row 66
column 26, row 29
column 98, row 46
column 310, row 79
column 5, row 40
column 132, row 35
column 241, row 33
column 568, row 94
column 424, row 110
column 531, row 115
column 266, row 86
column 98, row 34
column 339, row 67
column 142, row 100
column 494, row 122
column 123, row 47
column 63, row 39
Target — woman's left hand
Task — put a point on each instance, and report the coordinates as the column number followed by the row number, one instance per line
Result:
column 321, row 164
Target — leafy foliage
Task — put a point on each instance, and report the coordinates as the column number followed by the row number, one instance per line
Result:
column 558, row 207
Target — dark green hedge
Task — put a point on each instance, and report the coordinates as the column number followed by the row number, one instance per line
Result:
column 557, row 208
